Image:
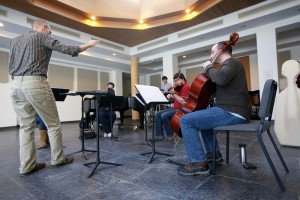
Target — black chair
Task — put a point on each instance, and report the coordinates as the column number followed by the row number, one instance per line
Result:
column 259, row 127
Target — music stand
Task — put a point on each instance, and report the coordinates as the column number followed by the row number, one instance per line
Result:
column 153, row 151
column 59, row 93
column 140, row 99
column 82, row 94
column 110, row 99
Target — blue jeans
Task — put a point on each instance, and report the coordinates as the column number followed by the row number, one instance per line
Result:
column 107, row 119
column 163, row 120
column 204, row 120
column 42, row 125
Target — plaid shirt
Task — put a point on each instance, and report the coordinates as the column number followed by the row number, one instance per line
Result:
column 30, row 53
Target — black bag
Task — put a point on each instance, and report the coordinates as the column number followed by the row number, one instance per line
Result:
column 88, row 135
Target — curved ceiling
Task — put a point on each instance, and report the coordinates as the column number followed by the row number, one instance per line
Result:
column 163, row 17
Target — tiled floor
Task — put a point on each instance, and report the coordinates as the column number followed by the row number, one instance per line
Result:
column 136, row 179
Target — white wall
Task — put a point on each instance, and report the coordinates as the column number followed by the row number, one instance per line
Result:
column 69, row 110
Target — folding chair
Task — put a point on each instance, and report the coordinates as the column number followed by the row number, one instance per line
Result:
column 257, row 126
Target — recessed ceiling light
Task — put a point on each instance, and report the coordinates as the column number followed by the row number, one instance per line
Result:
column 187, row 10
column 141, row 21
column 184, row 56
column 114, row 54
column 1, row 24
column 93, row 18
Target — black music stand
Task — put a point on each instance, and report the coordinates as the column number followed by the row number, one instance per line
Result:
column 82, row 94
column 142, row 102
column 107, row 100
column 153, row 151
column 152, row 96
column 59, row 93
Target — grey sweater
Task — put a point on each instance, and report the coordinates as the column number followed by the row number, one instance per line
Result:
column 231, row 87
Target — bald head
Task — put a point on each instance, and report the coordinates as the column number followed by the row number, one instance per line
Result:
column 41, row 25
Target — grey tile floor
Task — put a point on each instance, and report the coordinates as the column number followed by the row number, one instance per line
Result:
column 136, row 179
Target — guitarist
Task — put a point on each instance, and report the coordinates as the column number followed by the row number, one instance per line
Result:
column 231, row 107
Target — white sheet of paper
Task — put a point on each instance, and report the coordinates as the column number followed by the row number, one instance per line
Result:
column 151, row 93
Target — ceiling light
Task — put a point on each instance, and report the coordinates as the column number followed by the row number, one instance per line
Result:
column 1, row 24
column 187, row 10
column 141, row 21
column 184, row 56
column 93, row 18
column 114, row 54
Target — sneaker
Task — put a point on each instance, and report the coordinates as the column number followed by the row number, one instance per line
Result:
column 108, row 135
column 170, row 139
column 38, row 166
column 66, row 161
column 192, row 169
column 209, row 156
column 105, row 135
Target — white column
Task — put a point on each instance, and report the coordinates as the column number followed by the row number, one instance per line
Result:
column 170, row 66
column 117, row 79
column 266, row 55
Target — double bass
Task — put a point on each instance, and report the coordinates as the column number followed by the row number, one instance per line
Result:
column 201, row 92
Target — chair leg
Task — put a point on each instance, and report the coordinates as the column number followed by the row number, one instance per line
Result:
column 214, row 153
column 227, row 147
column 175, row 145
column 278, row 152
column 262, row 145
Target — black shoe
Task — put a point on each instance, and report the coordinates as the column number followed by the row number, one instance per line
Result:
column 209, row 156
column 37, row 167
column 141, row 127
column 66, row 161
column 192, row 169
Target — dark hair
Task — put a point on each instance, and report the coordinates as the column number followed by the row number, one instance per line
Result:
column 179, row 75
column 111, row 83
column 227, row 49
column 164, row 78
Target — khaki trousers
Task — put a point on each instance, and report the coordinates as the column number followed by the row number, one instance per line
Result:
column 31, row 95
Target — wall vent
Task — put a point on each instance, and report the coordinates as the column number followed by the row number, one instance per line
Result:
column 201, row 28
column 152, row 44
column 261, row 9
column 110, row 45
column 3, row 13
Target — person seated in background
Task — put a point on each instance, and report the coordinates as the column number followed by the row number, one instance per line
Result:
column 163, row 117
column 107, row 115
column 167, row 86
column 43, row 133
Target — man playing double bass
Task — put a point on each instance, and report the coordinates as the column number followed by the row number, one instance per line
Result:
column 231, row 107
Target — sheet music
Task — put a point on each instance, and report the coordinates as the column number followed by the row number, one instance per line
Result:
column 151, row 93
